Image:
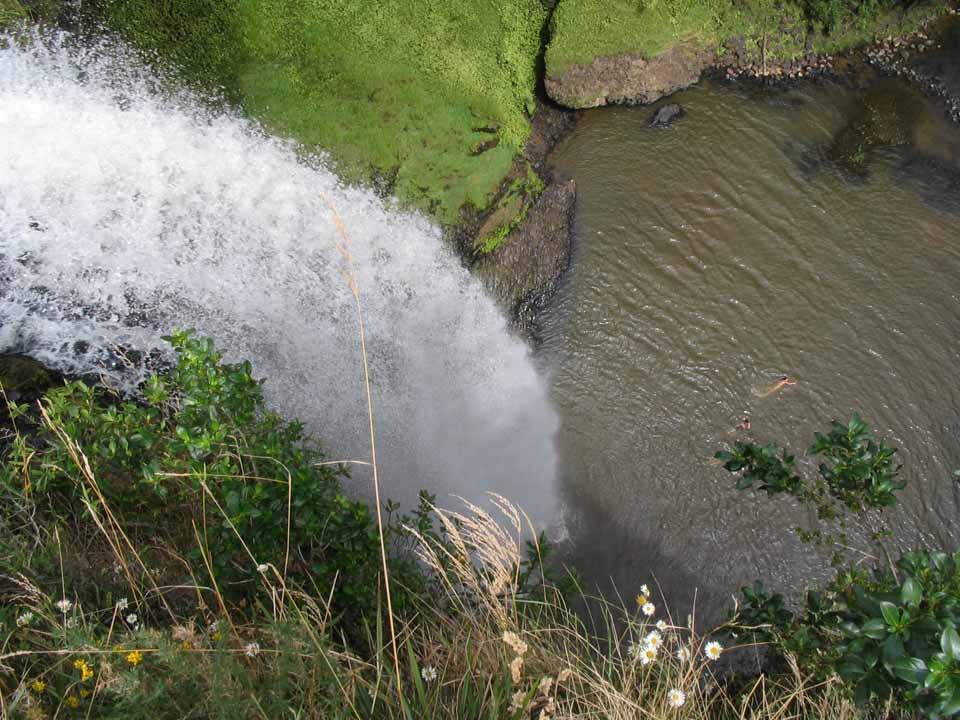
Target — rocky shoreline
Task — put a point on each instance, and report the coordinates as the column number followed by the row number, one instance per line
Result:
column 526, row 269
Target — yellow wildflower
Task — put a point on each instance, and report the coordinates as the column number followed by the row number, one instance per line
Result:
column 73, row 701
column 216, row 636
column 38, row 686
column 186, row 644
column 135, row 657
column 642, row 600
column 84, row 693
column 86, row 672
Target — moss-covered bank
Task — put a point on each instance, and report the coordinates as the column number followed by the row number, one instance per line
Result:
column 604, row 51
column 429, row 99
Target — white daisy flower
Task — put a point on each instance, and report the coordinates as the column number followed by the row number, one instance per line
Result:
column 713, row 650
column 25, row 619
column 132, row 618
column 645, row 591
column 648, row 655
column 251, row 649
column 653, row 639
column 262, row 568
column 64, row 606
column 676, row 698
column 214, row 626
column 683, row 654
column 662, row 625
column 649, row 609
column 122, row 604
column 71, row 623
column 428, row 673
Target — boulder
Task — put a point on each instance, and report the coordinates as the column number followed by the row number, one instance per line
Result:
column 629, row 78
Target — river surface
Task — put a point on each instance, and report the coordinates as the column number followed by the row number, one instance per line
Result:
column 712, row 258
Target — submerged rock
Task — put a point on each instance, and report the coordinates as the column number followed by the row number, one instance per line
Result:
column 884, row 118
column 666, row 115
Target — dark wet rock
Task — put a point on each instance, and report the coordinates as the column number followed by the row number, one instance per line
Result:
column 629, row 79
column 25, row 379
column 666, row 115
column 524, row 272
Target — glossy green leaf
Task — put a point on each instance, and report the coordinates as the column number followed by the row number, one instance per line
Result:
column 891, row 613
column 910, row 592
column 950, row 643
column 875, row 629
column 912, row 670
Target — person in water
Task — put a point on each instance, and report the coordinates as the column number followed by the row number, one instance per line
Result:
column 779, row 384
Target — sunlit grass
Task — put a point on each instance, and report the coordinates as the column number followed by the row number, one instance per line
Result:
column 401, row 90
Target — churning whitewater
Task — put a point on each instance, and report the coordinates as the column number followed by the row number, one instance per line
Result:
column 125, row 212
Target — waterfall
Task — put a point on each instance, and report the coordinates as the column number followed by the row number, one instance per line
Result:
column 127, row 209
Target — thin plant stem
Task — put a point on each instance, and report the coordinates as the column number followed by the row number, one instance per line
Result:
column 351, row 279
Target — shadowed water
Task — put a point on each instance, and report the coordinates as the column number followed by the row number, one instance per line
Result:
column 713, row 258
column 124, row 213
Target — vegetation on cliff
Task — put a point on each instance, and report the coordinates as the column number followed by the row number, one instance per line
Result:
column 188, row 553
column 888, row 629
column 430, row 99
column 776, row 29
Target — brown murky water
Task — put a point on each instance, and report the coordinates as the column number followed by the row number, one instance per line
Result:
column 712, row 258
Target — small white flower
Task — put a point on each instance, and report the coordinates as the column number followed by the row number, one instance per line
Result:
column 653, row 639
column 214, row 626
column 676, row 698
column 713, row 650
column 683, row 654
column 262, row 568
column 251, row 649
column 25, row 619
column 645, row 591
column 64, row 606
column 71, row 623
column 428, row 673
column 122, row 604
column 649, row 609
column 132, row 618
column 662, row 625
column 648, row 655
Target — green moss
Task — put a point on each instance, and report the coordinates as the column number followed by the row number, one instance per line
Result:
column 510, row 211
column 584, row 29
column 399, row 89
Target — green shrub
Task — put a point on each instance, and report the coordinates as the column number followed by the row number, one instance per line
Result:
column 887, row 631
column 199, row 445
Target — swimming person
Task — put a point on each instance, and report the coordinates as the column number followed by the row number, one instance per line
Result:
column 779, row 384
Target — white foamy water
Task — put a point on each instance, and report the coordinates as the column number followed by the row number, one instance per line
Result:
column 124, row 214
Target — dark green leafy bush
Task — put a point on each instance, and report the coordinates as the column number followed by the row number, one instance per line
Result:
column 200, row 446
column 890, row 631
